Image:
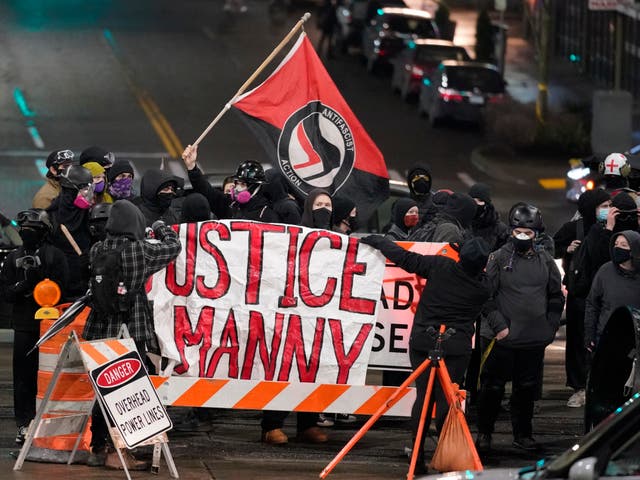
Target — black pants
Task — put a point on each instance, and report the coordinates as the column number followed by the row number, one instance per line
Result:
column 576, row 359
column 456, row 366
column 25, row 376
column 272, row 419
column 522, row 367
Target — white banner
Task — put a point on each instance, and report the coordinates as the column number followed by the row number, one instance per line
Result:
column 260, row 301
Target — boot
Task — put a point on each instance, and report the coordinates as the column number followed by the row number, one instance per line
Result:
column 313, row 435
column 275, row 437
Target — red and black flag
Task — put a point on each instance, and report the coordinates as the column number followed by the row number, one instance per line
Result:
column 311, row 133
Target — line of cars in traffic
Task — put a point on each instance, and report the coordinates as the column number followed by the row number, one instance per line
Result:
column 427, row 68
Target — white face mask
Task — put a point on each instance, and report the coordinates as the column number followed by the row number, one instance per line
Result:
column 522, row 236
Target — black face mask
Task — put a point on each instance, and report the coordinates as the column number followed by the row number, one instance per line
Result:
column 322, row 218
column 353, row 223
column 481, row 210
column 31, row 239
column 620, row 255
column 522, row 246
column 164, row 199
column 421, row 186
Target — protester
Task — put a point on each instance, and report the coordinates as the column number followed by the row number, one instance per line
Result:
column 69, row 214
column 249, row 200
column 99, row 155
column 195, row 208
column 487, row 223
column 523, row 318
column 316, row 214
column 57, row 162
column 616, row 284
column 219, row 203
column 98, row 216
column 139, row 260
column 419, row 182
column 441, row 304
column 120, row 180
column 404, row 217
column 344, row 215
column 593, row 206
column 616, row 169
column 158, row 189
column 452, row 224
column 21, row 270
column 100, row 194
column 276, row 191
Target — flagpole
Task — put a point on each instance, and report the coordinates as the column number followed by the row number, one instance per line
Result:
column 246, row 84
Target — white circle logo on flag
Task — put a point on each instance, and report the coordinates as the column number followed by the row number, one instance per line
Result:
column 316, row 148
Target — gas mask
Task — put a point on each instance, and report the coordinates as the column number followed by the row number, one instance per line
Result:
column 84, row 198
column 522, row 243
column 240, row 194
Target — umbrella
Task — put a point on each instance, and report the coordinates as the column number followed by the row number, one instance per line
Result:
column 65, row 319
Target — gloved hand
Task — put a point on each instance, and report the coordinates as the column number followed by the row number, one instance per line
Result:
column 157, row 228
column 373, row 240
column 20, row 288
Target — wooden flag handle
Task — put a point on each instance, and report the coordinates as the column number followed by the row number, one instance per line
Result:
column 70, row 239
column 253, row 76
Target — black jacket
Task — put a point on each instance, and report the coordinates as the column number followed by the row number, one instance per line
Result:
column 257, row 209
column 218, row 201
column 451, row 297
column 152, row 182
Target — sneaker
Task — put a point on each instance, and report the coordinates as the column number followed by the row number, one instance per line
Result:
column 345, row 418
column 324, row 421
column 113, row 461
column 313, row 435
column 525, row 443
column 97, row 457
column 483, row 442
column 275, row 437
column 21, row 434
column 577, row 400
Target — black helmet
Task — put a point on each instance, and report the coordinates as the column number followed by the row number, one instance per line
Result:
column 524, row 215
column 100, row 211
column 99, row 155
column 250, row 171
column 60, row 157
column 76, row 177
column 34, row 218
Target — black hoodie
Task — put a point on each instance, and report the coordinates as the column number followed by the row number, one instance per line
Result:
column 398, row 230
column 276, row 191
column 424, row 200
column 152, row 182
column 307, row 212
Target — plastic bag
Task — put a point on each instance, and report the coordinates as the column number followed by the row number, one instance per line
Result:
column 455, row 449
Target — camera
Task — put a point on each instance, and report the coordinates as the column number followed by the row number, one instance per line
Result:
column 27, row 262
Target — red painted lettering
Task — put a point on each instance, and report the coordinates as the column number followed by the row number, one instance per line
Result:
column 294, row 346
column 228, row 346
column 186, row 288
column 222, row 284
column 288, row 299
column 257, row 336
column 306, row 250
column 185, row 336
column 346, row 360
column 351, row 267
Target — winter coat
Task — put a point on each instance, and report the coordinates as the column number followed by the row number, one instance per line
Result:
column 258, row 209
column 527, row 297
column 46, row 194
column 612, row 287
column 16, row 285
column 451, row 297
column 218, row 201
column 140, row 260
column 152, row 182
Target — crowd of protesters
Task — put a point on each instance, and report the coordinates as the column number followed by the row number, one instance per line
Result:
column 505, row 289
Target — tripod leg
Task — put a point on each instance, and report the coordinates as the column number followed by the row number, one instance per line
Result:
column 423, row 415
column 400, row 391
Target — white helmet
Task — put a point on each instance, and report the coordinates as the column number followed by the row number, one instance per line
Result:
column 615, row 164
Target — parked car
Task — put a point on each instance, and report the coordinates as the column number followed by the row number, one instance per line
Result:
column 419, row 59
column 460, row 90
column 612, row 449
column 389, row 29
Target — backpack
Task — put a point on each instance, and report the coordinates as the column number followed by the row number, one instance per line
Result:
column 109, row 295
column 423, row 233
column 577, row 277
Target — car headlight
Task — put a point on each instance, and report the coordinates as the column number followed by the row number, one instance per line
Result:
column 578, row 173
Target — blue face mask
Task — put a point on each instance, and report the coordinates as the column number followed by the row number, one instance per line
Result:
column 602, row 214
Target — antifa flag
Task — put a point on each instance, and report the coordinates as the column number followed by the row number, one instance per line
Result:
column 312, row 135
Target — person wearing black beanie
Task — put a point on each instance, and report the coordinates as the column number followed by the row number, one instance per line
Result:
column 454, row 295
column 486, row 222
column 404, row 217
column 120, row 179
column 452, row 224
column 567, row 240
column 195, row 208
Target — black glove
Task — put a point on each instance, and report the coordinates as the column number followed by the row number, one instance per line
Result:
column 20, row 288
column 373, row 240
column 158, row 227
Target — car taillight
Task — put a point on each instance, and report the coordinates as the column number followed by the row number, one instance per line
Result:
column 449, row 95
column 498, row 98
column 416, row 72
column 590, row 185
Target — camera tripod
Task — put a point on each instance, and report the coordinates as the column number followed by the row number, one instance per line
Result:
column 436, row 366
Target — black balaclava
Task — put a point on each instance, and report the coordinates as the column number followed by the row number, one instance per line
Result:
column 152, row 182
column 419, row 181
column 32, row 238
column 473, row 256
column 341, row 209
column 126, row 220
column 588, row 203
column 627, row 219
column 309, row 219
column 195, row 208
column 461, row 207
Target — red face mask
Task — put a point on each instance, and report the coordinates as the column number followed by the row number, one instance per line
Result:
column 411, row 220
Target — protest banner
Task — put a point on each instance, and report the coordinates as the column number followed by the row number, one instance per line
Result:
column 256, row 301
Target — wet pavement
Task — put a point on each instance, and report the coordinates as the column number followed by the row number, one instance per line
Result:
column 225, row 444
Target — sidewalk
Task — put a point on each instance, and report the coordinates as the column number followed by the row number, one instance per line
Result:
column 228, row 445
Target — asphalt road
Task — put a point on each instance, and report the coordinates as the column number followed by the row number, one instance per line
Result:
column 144, row 79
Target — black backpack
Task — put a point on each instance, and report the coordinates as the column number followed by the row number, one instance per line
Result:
column 109, row 295
column 577, row 278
